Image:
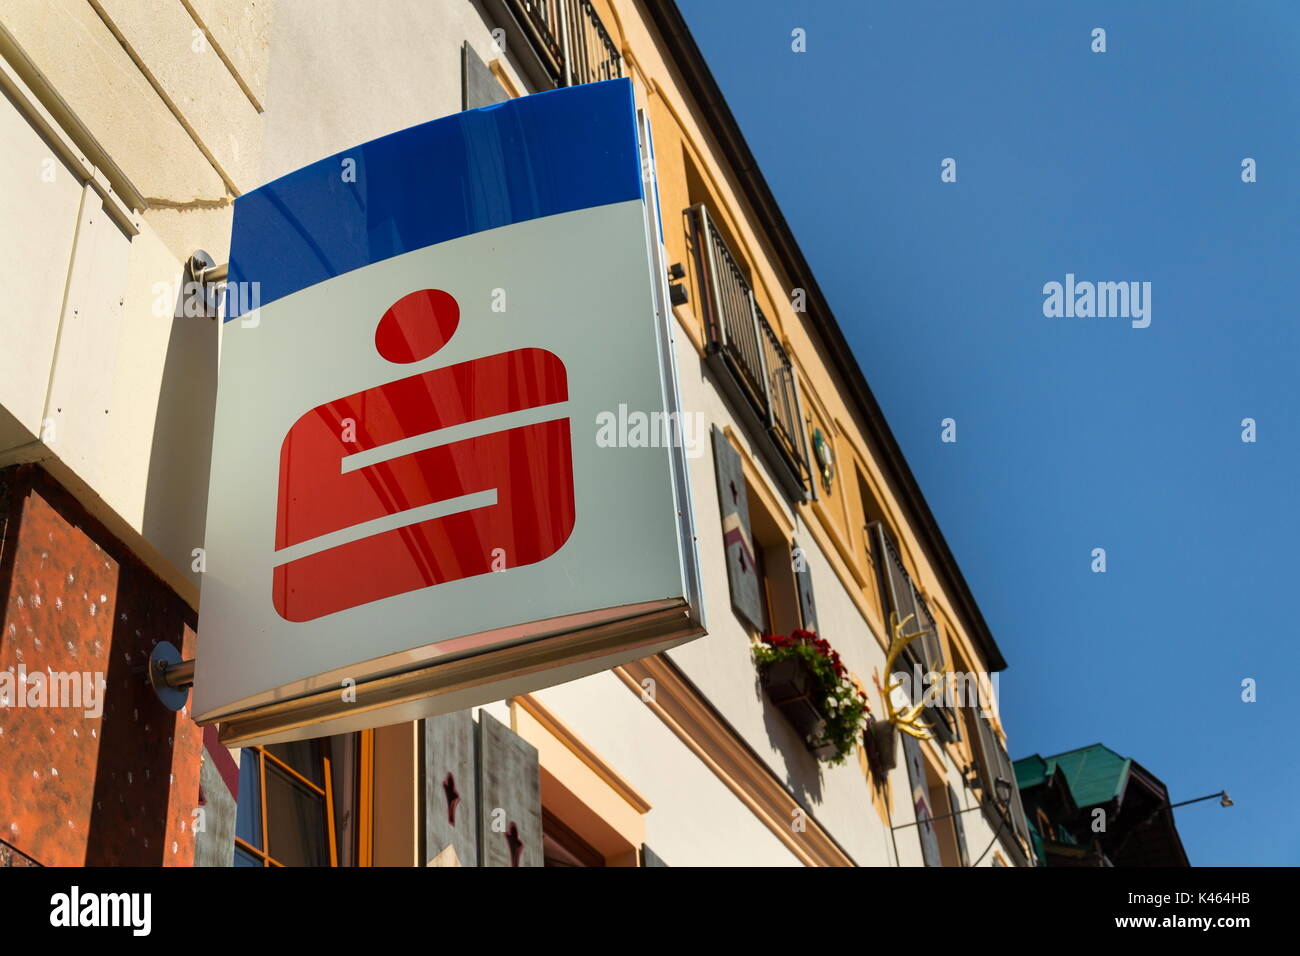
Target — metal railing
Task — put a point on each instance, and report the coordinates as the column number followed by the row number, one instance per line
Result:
column 573, row 44
column 740, row 333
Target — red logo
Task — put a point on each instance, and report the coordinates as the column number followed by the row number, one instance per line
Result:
column 530, row 469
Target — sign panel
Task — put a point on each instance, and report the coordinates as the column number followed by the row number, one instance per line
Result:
column 410, row 511
column 921, row 801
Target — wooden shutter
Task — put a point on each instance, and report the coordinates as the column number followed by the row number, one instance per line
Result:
column 450, row 791
column 900, row 596
column 921, row 800
column 214, row 845
column 510, row 797
column 742, row 572
column 995, row 764
column 478, row 86
column 896, row 587
column 803, row 580
column 941, row 718
column 649, row 858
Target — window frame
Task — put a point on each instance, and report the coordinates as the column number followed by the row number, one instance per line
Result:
column 262, row 754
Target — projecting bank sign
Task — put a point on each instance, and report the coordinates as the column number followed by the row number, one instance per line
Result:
column 409, row 510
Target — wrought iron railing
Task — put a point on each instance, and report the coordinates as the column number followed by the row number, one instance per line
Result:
column 740, row 334
column 573, row 44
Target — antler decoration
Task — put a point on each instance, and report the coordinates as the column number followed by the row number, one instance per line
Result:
column 908, row 721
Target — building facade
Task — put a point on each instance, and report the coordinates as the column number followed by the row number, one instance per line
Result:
column 132, row 127
column 1092, row 807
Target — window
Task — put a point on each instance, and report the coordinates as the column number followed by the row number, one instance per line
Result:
column 958, row 827
column 872, row 514
column 775, row 569
column 563, row 847
column 294, row 805
column 760, row 566
column 952, row 850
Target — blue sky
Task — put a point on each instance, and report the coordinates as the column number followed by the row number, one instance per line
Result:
column 1074, row 433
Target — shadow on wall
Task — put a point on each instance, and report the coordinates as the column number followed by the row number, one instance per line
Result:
column 176, row 494
column 803, row 772
column 147, row 768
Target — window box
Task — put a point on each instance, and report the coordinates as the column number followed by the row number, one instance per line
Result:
column 793, row 689
column 806, row 681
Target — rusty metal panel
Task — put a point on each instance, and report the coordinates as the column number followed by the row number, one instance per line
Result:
column 111, row 778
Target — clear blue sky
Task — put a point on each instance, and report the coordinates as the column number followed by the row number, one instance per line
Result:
column 1073, row 433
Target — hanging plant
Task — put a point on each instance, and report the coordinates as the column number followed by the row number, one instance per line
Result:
column 807, row 681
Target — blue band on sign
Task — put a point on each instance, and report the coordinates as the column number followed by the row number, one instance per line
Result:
column 535, row 156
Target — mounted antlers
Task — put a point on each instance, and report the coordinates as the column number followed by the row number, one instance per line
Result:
column 909, row 720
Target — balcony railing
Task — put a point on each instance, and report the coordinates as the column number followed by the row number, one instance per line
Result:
column 570, row 40
column 756, row 368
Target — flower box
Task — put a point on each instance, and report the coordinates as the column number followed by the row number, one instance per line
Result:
column 806, row 680
column 794, row 690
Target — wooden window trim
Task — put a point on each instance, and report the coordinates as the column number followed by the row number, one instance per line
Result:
column 366, row 799
column 325, row 791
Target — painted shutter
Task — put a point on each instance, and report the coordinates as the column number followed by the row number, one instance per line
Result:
column 214, row 845
column 478, row 86
column 998, row 765
column 900, row 596
column 746, row 589
column 958, row 827
column 803, row 580
column 921, row 800
column 941, row 719
column 510, row 797
column 895, row 584
column 896, row 589
column 450, row 791
column 649, row 858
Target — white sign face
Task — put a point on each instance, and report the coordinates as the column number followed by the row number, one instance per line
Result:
column 408, row 471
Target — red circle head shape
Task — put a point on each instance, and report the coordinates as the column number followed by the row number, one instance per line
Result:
column 416, row 326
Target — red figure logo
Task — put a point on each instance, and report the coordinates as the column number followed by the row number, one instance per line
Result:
column 530, row 468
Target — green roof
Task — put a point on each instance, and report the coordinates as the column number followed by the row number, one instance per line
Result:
column 1094, row 774
column 1030, row 771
